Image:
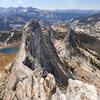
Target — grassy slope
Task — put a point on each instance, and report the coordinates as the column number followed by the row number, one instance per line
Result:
column 6, row 59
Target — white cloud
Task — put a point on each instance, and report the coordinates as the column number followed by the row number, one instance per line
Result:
column 20, row 1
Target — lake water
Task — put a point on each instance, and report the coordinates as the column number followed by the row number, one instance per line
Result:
column 9, row 50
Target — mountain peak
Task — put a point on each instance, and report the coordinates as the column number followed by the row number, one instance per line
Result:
column 32, row 25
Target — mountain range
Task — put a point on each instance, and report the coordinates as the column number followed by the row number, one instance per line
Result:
column 12, row 18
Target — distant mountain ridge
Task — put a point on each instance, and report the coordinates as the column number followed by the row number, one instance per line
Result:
column 12, row 18
column 89, row 25
column 76, row 11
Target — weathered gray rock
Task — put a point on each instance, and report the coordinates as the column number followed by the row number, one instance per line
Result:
column 37, row 50
column 77, row 58
column 36, row 88
column 42, row 49
column 78, row 90
column 92, row 29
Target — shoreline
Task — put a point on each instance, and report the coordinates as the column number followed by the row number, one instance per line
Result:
column 10, row 45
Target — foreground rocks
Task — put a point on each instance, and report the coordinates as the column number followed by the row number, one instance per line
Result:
column 31, row 88
column 78, row 90
column 36, row 88
column 3, row 83
column 38, row 50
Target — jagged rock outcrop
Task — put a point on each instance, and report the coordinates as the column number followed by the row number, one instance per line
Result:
column 38, row 50
column 36, row 88
column 41, row 48
column 32, row 87
column 77, row 58
column 78, row 90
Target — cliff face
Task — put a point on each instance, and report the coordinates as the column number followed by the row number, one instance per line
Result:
column 39, row 48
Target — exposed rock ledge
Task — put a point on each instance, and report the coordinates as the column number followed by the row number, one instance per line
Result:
column 38, row 50
column 34, row 87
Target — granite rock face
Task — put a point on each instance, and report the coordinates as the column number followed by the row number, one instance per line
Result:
column 92, row 29
column 78, row 90
column 36, row 88
column 36, row 51
column 39, row 45
column 76, row 57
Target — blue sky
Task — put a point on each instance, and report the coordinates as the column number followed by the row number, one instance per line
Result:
column 53, row 4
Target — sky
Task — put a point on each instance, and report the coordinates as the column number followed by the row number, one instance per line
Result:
column 53, row 4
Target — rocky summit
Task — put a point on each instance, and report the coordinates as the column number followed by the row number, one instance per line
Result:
column 70, row 74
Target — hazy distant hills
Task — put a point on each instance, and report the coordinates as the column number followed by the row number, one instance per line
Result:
column 76, row 11
column 12, row 18
column 89, row 25
column 89, row 19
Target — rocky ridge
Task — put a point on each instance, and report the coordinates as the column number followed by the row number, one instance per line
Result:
column 41, row 47
column 89, row 28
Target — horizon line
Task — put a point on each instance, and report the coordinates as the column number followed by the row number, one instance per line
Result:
column 48, row 8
